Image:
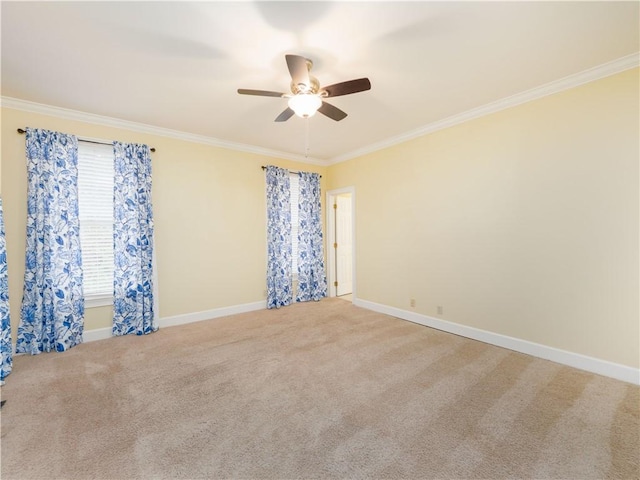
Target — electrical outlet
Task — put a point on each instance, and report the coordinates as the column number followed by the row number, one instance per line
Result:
column 412, row 302
column 440, row 310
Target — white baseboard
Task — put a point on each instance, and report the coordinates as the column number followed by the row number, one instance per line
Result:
column 96, row 334
column 103, row 333
column 576, row 360
column 87, row 336
column 209, row 314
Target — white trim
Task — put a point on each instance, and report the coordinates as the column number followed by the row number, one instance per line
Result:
column 572, row 81
column 92, row 335
column 576, row 360
column 210, row 314
column 96, row 334
column 601, row 71
column 67, row 114
column 104, row 333
column 92, row 301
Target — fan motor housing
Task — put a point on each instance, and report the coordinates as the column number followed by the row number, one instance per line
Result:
column 313, row 86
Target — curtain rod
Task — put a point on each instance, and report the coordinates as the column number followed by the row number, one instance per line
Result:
column 20, row 130
column 290, row 171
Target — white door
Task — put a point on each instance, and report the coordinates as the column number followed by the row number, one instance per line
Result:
column 344, row 244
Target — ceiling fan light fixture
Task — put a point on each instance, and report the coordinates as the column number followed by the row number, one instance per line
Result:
column 305, row 105
column 306, row 97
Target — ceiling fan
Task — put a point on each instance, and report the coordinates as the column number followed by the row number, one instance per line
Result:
column 306, row 95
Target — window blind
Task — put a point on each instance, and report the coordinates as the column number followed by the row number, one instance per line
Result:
column 95, row 199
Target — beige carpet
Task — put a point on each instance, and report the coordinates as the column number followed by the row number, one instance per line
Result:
column 316, row 390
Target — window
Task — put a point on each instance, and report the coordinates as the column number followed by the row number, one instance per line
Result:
column 95, row 203
column 295, row 222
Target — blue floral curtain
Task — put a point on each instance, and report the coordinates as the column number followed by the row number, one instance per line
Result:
column 133, row 302
column 5, row 334
column 52, row 312
column 312, row 281
column 279, row 282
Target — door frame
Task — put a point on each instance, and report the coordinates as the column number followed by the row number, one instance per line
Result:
column 331, row 263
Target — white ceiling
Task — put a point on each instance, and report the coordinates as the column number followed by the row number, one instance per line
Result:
column 177, row 65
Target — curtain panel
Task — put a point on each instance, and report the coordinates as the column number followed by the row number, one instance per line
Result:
column 6, row 349
column 52, row 312
column 279, row 281
column 133, row 301
column 312, row 281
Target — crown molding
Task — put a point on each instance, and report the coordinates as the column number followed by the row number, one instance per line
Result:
column 75, row 115
column 607, row 69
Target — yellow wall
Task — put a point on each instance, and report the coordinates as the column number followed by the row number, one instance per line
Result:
column 522, row 223
column 209, row 211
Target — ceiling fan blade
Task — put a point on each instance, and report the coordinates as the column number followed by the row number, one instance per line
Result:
column 285, row 115
column 346, row 88
column 262, row 93
column 298, row 69
column 332, row 112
